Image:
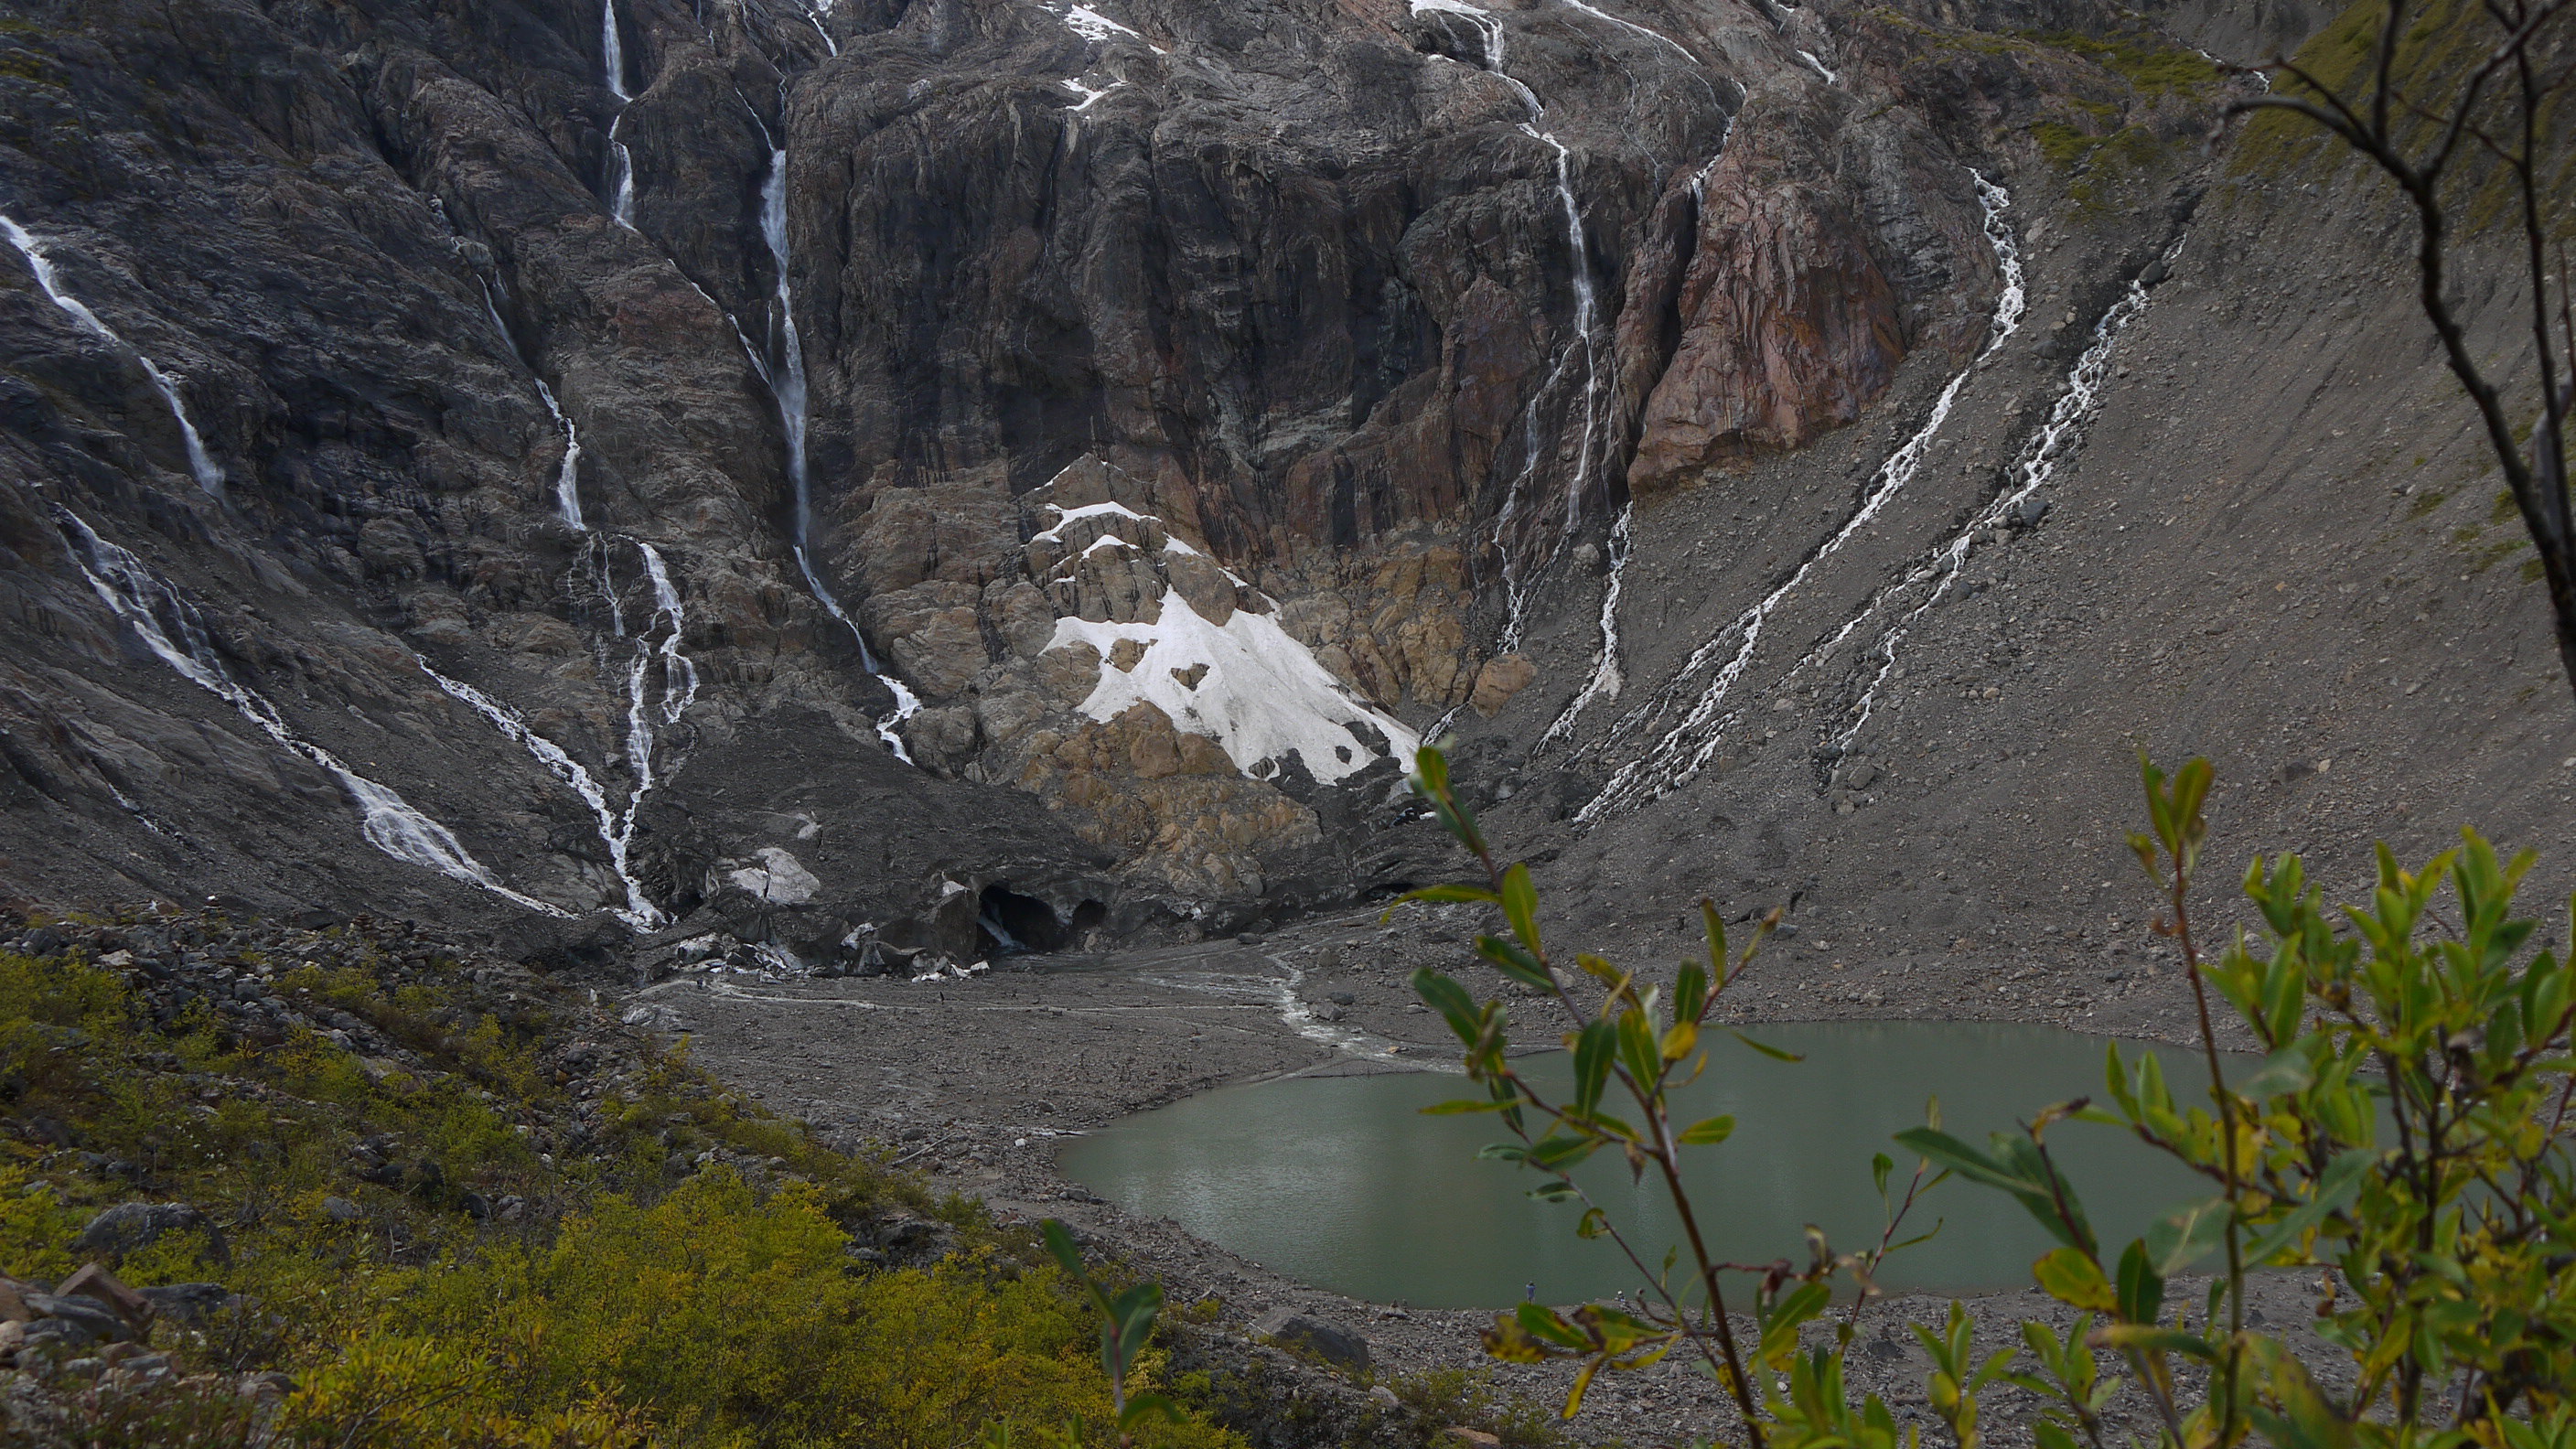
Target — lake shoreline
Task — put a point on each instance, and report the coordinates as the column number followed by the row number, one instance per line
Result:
column 979, row 1080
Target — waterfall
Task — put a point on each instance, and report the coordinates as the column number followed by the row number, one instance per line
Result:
column 1490, row 34
column 615, row 832
column 1584, row 306
column 621, row 163
column 814, row 13
column 175, row 632
column 1654, row 35
column 1606, row 678
column 675, row 665
column 1684, row 750
column 787, row 384
column 568, row 476
column 200, row 463
column 679, row 672
column 2031, row 468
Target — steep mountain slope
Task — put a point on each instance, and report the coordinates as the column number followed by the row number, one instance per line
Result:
column 956, row 475
column 2216, row 494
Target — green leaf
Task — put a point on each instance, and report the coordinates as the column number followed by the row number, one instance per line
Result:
column 1461, row 1107
column 1508, row 957
column 1944, row 1150
column 2283, row 1072
column 1144, row 1404
column 2142, row 1288
column 1544, row 1323
column 1707, row 1132
column 1554, row 1192
column 1593, row 1049
column 2186, row 1235
column 1775, row 1053
column 1556, row 1153
column 1059, row 1241
column 1713, row 930
column 1520, row 904
column 1449, row 999
column 1431, row 772
column 1443, row 894
column 1133, row 1311
column 2151, row 1339
column 2071, row 1278
column 2335, row 1187
column 1690, row 991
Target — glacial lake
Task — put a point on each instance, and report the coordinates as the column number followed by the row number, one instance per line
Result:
column 1340, row 1182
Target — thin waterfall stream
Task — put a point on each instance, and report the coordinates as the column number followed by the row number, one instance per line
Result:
column 679, row 674
column 201, row 464
column 2031, row 469
column 1686, row 748
column 1490, row 34
column 621, row 162
column 175, row 631
column 787, row 385
column 1608, row 676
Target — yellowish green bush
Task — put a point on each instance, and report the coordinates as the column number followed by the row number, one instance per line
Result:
column 629, row 1303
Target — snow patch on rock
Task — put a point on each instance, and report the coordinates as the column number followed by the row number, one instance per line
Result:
column 1257, row 692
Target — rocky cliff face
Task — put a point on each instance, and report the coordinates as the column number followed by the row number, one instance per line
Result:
column 878, row 477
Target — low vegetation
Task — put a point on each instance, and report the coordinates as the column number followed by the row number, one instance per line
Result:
column 438, row 1204
column 2407, row 1137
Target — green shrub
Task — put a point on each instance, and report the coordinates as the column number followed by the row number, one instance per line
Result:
column 2448, row 1240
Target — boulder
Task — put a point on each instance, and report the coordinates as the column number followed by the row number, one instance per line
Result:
column 1304, row 1333
column 132, row 1226
column 80, row 1321
column 94, row 1282
column 1503, row 676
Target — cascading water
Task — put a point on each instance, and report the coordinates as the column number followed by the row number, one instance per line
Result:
column 616, row 832
column 568, row 475
column 1490, row 34
column 675, row 665
column 175, row 632
column 2031, row 469
column 814, row 13
column 1685, row 749
column 200, row 463
column 787, row 384
column 679, row 672
column 621, row 164
column 1654, row 35
column 1606, row 679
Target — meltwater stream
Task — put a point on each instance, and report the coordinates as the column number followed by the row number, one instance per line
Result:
column 567, row 474
column 1342, row 1183
column 1682, row 751
column 201, row 464
column 621, row 163
column 173, row 630
column 787, row 384
column 2031, row 469
column 1490, row 37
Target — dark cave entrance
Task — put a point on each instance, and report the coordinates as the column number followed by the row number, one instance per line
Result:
column 1008, row 923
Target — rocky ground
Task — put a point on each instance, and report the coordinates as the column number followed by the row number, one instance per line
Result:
column 979, row 1080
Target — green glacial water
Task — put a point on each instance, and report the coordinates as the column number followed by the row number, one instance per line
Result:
column 1341, row 1183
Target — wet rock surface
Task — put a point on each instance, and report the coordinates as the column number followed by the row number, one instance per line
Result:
column 538, row 467
column 1295, row 290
